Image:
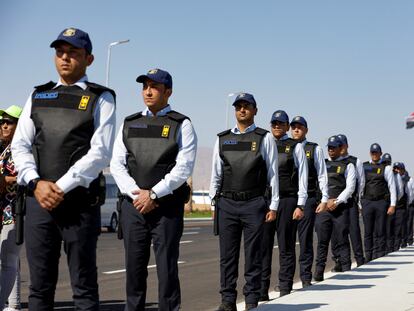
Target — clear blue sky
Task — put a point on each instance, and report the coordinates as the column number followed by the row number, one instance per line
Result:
column 347, row 66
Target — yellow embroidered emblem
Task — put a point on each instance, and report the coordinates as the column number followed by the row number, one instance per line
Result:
column 84, row 103
column 378, row 171
column 308, row 154
column 287, row 149
column 165, row 131
column 254, row 146
column 70, row 32
column 152, row 71
column 338, row 169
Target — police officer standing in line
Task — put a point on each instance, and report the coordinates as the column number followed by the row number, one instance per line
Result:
column 293, row 185
column 244, row 166
column 354, row 227
column 317, row 196
column 335, row 221
column 410, row 217
column 154, row 155
column 62, row 143
column 407, row 189
column 401, row 209
column 378, row 200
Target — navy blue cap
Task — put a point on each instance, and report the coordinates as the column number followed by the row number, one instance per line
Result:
column 246, row 97
column 399, row 165
column 375, row 148
column 386, row 157
column 343, row 139
column 334, row 141
column 157, row 75
column 76, row 37
column 300, row 120
column 279, row 115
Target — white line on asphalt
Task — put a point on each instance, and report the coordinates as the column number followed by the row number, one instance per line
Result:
column 185, row 242
column 190, row 233
column 194, row 228
column 123, row 270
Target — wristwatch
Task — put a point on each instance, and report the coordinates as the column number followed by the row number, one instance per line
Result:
column 33, row 184
column 152, row 195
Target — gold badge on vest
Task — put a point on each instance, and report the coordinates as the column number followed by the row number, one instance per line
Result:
column 165, row 131
column 254, row 146
column 83, row 104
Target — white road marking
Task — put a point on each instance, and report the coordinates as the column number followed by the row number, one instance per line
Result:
column 123, row 270
column 276, row 246
column 191, row 232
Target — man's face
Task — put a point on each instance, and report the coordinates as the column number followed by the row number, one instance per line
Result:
column 376, row 156
column 155, row 94
column 71, row 62
column 8, row 127
column 298, row 131
column 245, row 112
column 334, row 152
column 279, row 129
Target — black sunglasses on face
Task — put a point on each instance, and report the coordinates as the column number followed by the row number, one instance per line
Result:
column 7, row 121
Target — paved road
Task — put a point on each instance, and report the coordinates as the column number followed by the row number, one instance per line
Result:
column 199, row 272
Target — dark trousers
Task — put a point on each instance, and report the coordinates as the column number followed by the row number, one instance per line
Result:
column 237, row 218
column 399, row 225
column 374, row 214
column 410, row 218
column 77, row 224
column 354, row 235
column 390, row 232
column 328, row 224
column 286, row 228
column 163, row 227
column 305, row 233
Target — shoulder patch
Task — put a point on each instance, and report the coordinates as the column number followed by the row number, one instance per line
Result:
column 261, row 131
column 176, row 116
column 311, row 143
column 134, row 116
column 224, row 133
column 45, row 87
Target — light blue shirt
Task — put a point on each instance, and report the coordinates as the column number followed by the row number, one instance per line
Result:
column 187, row 149
column 400, row 186
column 301, row 164
column 320, row 166
column 350, row 176
column 267, row 150
column 87, row 168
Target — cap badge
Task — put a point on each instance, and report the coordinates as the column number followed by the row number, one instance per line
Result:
column 70, row 32
column 152, row 71
column 277, row 114
column 241, row 95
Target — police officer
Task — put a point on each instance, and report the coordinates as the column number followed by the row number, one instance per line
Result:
column 244, row 165
column 62, row 143
column 386, row 159
column 410, row 217
column 335, row 221
column 400, row 224
column 154, row 155
column 317, row 196
column 378, row 200
column 354, row 228
column 293, row 184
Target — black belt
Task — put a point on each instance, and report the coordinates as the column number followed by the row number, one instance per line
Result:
column 242, row 195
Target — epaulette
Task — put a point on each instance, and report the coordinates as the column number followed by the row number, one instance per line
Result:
column 134, row 116
column 261, row 131
column 45, row 87
column 176, row 116
column 224, row 133
column 99, row 89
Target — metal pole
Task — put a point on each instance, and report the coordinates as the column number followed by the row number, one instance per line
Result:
column 108, row 61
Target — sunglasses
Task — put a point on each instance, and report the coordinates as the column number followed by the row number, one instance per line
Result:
column 7, row 121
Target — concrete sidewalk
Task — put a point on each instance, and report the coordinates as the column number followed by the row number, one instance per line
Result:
column 383, row 284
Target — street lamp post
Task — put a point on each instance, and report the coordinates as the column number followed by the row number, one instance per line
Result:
column 108, row 61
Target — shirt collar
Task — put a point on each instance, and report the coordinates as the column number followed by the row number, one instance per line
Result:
column 160, row 113
column 284, row 137
column 251, row 128
column 81, row 83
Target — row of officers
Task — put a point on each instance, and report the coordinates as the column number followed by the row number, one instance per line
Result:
column 262, row 183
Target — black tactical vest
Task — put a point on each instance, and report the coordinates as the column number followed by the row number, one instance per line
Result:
column 336, row 177
column 288, row 173
column 376, row 187
column 313, row 183
column 244, row 169
column 402, row 203
column 64, row 123
column 152, row 145
column 353, row 160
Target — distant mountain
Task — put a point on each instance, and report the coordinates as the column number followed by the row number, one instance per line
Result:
column 202, row 169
